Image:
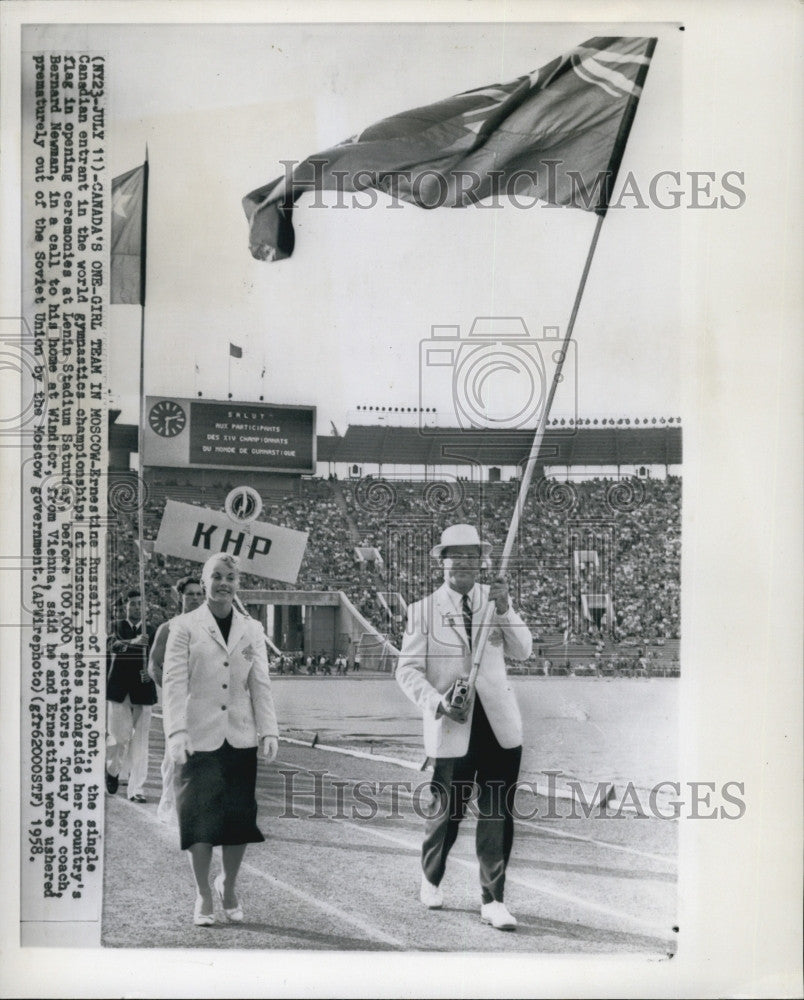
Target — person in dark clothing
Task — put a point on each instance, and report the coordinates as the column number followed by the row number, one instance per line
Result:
column 130, row 693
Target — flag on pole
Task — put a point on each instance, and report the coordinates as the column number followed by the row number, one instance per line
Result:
column 129, row 194
column 556, row 135
column 235, row 351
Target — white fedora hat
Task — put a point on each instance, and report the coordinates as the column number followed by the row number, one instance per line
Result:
column 460, row 534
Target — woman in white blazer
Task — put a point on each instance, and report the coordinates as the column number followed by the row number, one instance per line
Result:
column 218, row 709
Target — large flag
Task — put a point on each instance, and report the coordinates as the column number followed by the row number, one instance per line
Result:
column 128, row 236
column 556, row 135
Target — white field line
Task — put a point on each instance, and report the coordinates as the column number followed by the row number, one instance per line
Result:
column 169, row 833
column 348, row 752
column 559, row 834
column 664, row 858
column 647, row 927
column 541, row 789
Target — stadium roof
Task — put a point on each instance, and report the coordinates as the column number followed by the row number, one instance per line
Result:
column 443, row 446
column 561, row 446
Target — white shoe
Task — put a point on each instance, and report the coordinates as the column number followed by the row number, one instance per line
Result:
column 202, row 919
column 431, row 895
column 496, row 914
column 234, row 914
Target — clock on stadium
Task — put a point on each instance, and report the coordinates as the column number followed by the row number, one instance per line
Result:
column 183, row 433
column 167, row 418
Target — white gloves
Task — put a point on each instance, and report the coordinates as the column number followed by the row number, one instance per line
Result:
column 179, row 748
column 270, row 747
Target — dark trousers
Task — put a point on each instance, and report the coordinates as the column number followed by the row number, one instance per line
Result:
column 494, row 770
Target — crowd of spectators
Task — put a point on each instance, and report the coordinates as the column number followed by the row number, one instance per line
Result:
column 635, row 534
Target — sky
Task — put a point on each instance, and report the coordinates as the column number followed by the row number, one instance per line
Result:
column 340, row 323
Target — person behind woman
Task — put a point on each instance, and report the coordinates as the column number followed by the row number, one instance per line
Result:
column 190, row 594
column 130, row 693
column 218, row 709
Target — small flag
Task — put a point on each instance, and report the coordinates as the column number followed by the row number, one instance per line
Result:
column 557, row 135
column 235, row 351
column 128, row 237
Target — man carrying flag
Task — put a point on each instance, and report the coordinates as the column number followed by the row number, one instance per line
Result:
column 477, row 742
column 556, row 135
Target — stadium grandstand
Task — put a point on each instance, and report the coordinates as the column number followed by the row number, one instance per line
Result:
column 596, row 571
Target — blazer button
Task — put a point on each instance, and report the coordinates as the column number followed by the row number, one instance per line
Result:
column 223, row 708
column 225, row 686
column 226, row 663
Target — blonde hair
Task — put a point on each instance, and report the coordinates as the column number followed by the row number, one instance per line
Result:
column 228, row 560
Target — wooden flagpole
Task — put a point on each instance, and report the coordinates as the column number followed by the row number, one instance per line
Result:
column 140, row 434
column 527, row 475
column 611, row 176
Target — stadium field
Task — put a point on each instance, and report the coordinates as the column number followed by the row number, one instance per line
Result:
column 340, row 866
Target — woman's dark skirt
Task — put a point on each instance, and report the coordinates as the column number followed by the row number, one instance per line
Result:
column 215, row 797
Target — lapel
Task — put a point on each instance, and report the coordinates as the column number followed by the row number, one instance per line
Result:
column 447, row 616
column 127, row 630
column 237, row 629
column 210, row 626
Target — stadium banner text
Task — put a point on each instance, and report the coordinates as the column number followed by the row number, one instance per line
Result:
column 213, row 434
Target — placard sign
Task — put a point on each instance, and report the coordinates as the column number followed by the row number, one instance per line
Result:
column 266, row 550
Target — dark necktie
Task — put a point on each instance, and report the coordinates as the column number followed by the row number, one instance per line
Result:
column 467, row 617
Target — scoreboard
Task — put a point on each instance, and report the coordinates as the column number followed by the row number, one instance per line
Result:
column 213, row 434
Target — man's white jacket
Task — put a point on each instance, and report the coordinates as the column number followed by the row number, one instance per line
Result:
column 435, row 653
column 216, row 690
